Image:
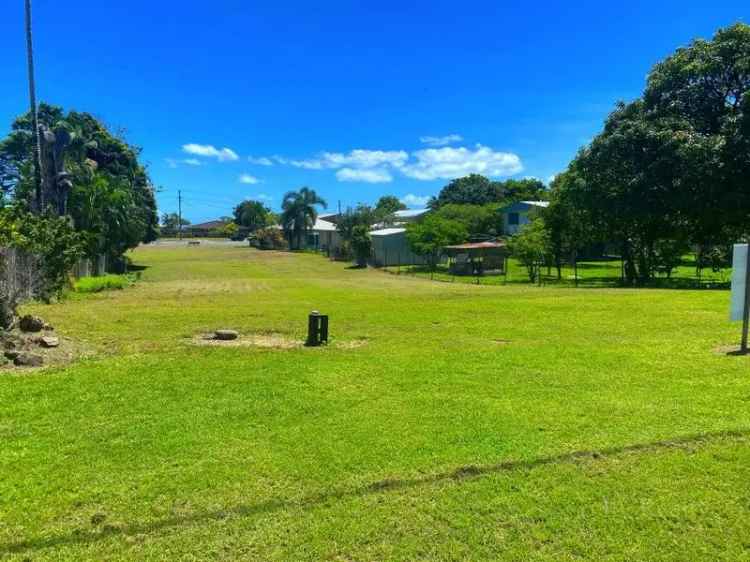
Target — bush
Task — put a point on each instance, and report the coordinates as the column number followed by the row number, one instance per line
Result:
column 361, row 244
column 270, row 239
column 103, row 283
column 531, row 246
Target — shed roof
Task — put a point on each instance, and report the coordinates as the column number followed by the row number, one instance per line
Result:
column 387, row 231
column 476, row 245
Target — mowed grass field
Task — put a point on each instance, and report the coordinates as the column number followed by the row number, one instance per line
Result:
column 444, row 422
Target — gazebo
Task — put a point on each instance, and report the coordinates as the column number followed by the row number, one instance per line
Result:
column 476, row 258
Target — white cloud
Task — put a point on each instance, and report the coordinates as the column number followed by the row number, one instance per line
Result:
column 412, row 200
column 358, row 158
column 451, row 163
column 376, row 175
column 440, row 141
column 426, row 164
column 175, row 163
column 210, row 151
column 264, row 197
column 551, row 179
column 260, row 160
column 247, row 178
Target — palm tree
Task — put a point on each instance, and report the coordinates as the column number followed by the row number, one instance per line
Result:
column 34, row 115
column 299, row 214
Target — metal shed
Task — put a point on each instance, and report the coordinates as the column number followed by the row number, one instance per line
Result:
column 390, row 247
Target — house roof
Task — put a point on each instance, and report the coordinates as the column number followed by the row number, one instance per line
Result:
column 525, row 206
column 410, row 213
column 324, row 225
column 209, row 225
column 387, row 231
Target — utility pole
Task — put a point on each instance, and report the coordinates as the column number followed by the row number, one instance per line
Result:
column 179, row 214
column 37, row 150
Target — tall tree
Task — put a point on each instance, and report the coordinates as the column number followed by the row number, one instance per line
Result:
column 36, row 145
column 389, row 204
column 299, row 214
column 253, row 215
column 116, row 216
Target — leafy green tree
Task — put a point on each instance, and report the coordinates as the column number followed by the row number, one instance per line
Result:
column 479, row 220
column 473, row 189
column 428, row 237
column 566, row 222
column 531, row 246
column 95, row 157
column 170, row 223
column 363, row 217
column 387, row 205
column 476, row 189
column 702, row 94
column 361, row 243
column 252, row 215
column 299, row 214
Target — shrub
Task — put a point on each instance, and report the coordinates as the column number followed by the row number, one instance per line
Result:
column 103, row 283
column 270, row 239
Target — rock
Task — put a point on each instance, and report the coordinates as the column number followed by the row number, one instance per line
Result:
column 48, row 327
column 49, row 341
column 30, row 323
column 28, row 360
column 11, row 341
column 12, row 354
column 226, row 335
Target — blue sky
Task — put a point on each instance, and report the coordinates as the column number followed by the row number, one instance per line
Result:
column 237, row 99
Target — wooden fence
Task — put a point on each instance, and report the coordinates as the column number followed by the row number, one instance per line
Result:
column 21, row 275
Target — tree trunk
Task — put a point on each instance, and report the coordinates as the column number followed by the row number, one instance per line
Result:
column 38, row 203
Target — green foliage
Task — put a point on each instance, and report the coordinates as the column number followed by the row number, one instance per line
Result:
column 103, row 283
column 478, row 220
column 671, row 168
column 112, row 200
column 170, row 223
column 270, row 239
column 229, row 230
column 252, row 215
column 361, row 243
column 428, row 237
column 531, row 246
column 386, row 206
column 299, row 214
column 476, row 189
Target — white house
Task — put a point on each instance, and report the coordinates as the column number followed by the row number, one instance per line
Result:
column 324, row 236
column 519, row 214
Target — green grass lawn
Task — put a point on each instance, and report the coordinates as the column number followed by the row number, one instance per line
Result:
column 605, row 273
column 476, row 422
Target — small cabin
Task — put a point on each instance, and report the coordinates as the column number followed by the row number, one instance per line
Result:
column 519, row 214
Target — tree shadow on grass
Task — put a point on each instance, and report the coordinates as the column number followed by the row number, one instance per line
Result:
column 462, row 473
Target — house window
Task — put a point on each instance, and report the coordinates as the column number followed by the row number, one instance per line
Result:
column 513, row 219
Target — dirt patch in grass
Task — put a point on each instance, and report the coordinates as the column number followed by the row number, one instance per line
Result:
column 67, row 351
column 733, row 349
column 269, row 340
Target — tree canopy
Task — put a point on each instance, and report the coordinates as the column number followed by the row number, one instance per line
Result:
column 670, row 168
column 253, row 215
column 476, row 189
column 112, row 201
column 299, row 214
